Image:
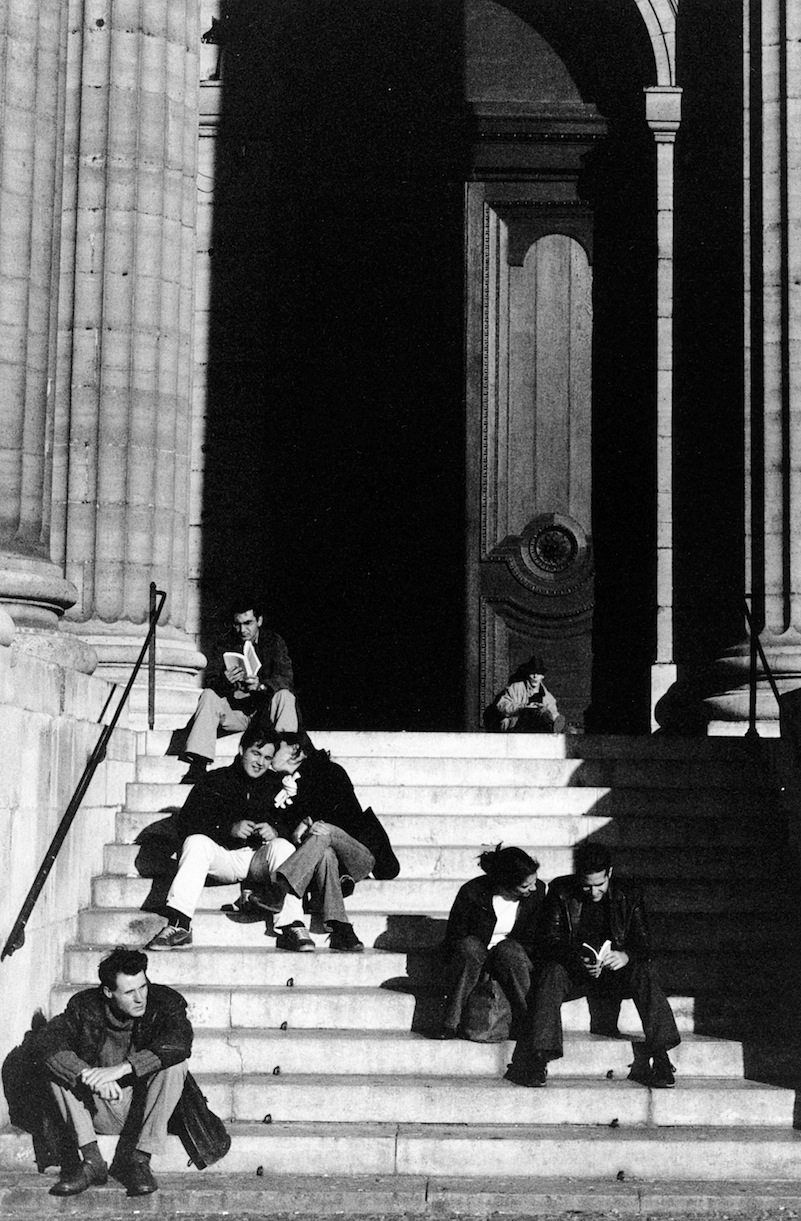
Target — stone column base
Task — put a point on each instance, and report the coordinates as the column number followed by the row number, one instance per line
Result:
column 178, row 667
column 728, row 680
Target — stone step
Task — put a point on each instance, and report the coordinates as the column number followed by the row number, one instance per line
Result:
column 226, row 1192
column 345, row 744
column 307, row 1007
column 421, row 895
column 575, row 1157
column 155, row 856
column 389, row 769
column 402, row 1053
column 727, row 936
column 708, row 1102
column 454, row 828
column 418, row 971
column 543, row 772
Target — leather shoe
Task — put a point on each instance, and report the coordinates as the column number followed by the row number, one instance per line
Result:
column 76, row 1181
column 137, row 1177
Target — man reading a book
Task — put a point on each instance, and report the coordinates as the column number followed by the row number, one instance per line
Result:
column 252, row 681
column 597, row 944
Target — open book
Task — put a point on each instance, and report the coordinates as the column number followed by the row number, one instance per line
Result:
column 247, row 659
column 592, row 955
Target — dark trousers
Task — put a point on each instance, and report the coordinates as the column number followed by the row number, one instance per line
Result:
column 639, row 980
column 507, row 962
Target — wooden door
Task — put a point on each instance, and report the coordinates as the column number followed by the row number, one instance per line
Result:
column 529, row 430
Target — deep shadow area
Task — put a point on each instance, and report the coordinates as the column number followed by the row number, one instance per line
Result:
column 335, row 378
column 334, row 471
column 709, row 500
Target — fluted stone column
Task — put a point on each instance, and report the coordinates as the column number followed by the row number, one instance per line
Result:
column 663, row 114
column 124, row 385
column 772, row 74
column 33, row 592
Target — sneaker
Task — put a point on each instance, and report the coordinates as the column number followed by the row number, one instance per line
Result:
column 531, row 1077
column 294, row 937
column 343, row 938
column 662, row 1073
column 171, row 937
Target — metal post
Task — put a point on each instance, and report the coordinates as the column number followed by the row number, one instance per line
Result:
column 151, row 663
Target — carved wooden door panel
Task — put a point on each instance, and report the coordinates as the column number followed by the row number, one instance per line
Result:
column 528, row 370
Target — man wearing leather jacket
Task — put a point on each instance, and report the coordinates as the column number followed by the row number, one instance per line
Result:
column 597, row 943
column 116, row 1063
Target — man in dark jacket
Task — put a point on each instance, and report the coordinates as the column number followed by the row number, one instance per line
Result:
column 225, row 818
column 596, row 938
column 233, row 698
column 116, row 1061
column 336, row 845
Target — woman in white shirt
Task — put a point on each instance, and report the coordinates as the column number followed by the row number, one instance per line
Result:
column 493, row 926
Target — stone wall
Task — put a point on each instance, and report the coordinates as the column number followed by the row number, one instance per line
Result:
column 49, row 723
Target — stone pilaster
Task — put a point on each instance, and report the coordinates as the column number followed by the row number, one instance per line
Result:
column 772, row 130
column 663, row 114
column 124, row 384
column 33, row 592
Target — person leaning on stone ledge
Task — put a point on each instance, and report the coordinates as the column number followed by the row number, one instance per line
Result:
column 232, row 699
column 116, row 1064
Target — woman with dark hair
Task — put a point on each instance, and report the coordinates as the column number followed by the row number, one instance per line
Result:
column 493, row 927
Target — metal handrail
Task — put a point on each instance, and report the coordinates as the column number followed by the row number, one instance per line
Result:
column 756, row 648
column 16, row 938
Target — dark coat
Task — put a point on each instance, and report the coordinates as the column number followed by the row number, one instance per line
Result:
column 562, row 920
column 472, row 915
column 227, row 795
column 161, row 1037
column 275, row 673
column 325, row 792
column 164, row 1031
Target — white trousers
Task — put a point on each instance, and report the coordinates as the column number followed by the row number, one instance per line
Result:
column 202, row 858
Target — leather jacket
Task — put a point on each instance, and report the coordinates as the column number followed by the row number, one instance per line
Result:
column 628, row 923
column 161, row 1037
column 472, row 915
column 73, row 1040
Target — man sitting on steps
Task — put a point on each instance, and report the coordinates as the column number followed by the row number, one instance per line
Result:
column 337, row 845
column 225, row 818
column 595, row 936
column 116, row 1062
column 233, row 698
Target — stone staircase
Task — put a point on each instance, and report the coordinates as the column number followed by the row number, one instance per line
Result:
column 320, row 1061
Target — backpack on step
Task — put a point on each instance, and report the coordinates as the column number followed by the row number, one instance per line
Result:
column 487, row 1014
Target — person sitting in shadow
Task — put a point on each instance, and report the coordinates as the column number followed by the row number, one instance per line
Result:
column 493, row 930
column 525, row 705
column 597, row 943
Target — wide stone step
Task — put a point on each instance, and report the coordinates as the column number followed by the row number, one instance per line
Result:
column 727, row 936
column 475, row 769
column 310, row 1007
column 345, row 744
column 542, row 773
column 421, row 895
column 529, row 1155
column 401, row 1053
column 155, row 855
column 228, row 1193
column 713, row 1102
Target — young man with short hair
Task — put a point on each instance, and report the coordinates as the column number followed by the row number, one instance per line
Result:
column 225, row 818
column 116, row 1061
column 233, row 699
column 597, row 943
